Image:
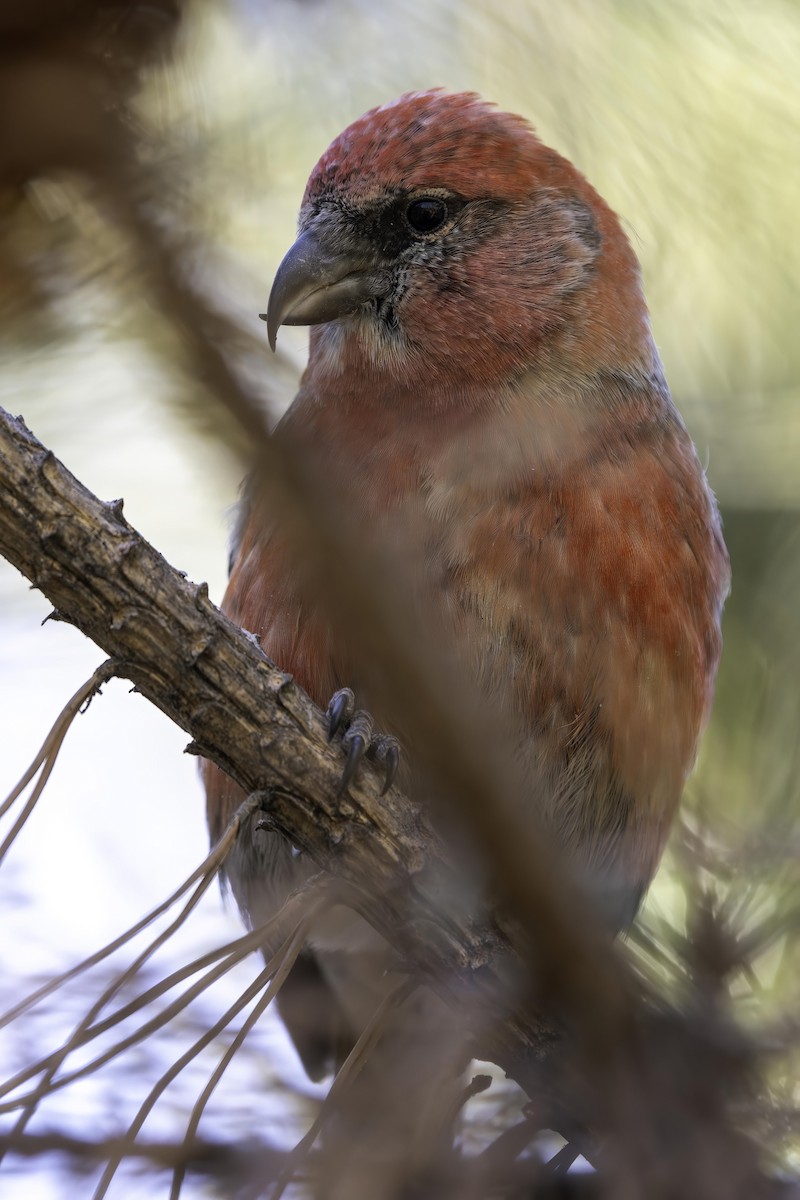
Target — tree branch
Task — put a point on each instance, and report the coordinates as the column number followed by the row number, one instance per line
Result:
column 214, row 681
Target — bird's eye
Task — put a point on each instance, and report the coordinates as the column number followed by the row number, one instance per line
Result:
column 427, row 214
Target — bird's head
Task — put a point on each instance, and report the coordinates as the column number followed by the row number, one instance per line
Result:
column 442, row 244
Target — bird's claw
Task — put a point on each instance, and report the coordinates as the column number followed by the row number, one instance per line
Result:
column 358, row 740
column 386, row 750
column 340, row 711
column 355, row 752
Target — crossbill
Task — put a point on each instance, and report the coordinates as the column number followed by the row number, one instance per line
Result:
column 483, row 374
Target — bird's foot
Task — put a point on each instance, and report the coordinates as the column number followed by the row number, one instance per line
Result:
column 360, row 740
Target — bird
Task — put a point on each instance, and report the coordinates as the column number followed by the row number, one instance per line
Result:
column 483, row 372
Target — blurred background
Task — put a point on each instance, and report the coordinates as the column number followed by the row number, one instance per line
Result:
column 686, row 118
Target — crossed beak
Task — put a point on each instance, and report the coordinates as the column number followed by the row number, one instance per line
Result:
column 325, row 275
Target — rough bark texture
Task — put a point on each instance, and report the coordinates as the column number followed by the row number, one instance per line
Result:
column 245, row 714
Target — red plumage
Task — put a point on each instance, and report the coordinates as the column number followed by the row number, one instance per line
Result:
column 491, row 391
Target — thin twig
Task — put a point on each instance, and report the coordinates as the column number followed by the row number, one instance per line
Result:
column 346, row 1073
column 211, row 863
column 50, row 747
column 292, row 944
column 294, row 948
column 115, row 986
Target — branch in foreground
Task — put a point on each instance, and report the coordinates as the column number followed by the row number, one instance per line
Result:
column 250, row 718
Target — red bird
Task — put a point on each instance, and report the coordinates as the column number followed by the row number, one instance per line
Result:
column 483, row 373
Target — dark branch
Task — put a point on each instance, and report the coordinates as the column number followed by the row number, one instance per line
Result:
column 250, row 718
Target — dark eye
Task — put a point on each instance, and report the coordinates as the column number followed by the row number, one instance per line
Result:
column 426, row 215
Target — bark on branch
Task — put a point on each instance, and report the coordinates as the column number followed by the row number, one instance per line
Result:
column 250, row 718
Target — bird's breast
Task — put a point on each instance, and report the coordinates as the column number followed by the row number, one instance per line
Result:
column 588, row 588
column 580, row 576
